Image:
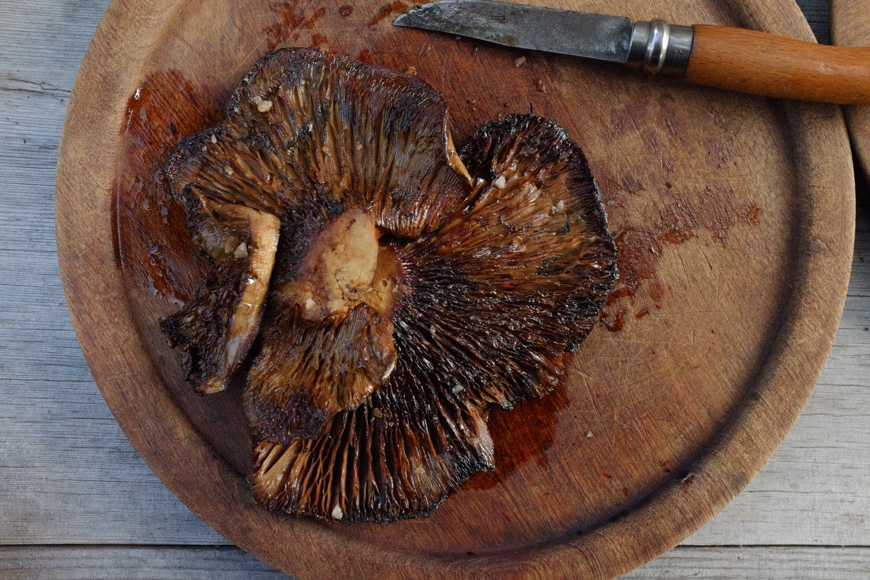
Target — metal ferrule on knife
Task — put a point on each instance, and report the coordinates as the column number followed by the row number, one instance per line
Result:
column 657, row 46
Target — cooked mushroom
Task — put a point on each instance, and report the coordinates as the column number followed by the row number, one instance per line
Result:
column 216, row 328
column 409, row 287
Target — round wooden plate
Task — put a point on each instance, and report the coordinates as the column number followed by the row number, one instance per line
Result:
column 734, row 216
column 850, row 26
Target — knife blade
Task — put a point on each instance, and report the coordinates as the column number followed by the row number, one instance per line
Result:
column 718, row 56
column 560, row 31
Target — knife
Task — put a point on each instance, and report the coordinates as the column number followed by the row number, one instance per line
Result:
column 717, row 56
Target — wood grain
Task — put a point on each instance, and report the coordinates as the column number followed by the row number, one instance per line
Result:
column 850, row 26
column 230, row 563
column 69, row 475
column 132, row 563
column 763, row 64
column 770, row 563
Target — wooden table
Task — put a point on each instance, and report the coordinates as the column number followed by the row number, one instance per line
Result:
column 76, row 501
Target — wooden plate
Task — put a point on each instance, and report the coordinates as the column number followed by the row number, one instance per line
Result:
column 734, row 216
column 850, row 26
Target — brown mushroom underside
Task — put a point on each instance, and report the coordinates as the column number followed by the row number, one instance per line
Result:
column 218, row 326
column 410, row 289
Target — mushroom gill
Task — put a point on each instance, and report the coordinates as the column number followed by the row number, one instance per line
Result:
column 217, row 327
column 409, row 286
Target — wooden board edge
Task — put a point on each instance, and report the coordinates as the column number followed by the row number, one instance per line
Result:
column 97, row 301
column 850, row 26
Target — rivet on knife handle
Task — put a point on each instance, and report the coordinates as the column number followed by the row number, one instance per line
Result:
column 657, row 46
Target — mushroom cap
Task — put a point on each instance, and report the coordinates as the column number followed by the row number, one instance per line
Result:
column 410, row 287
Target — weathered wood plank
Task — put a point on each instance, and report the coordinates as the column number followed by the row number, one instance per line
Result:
column 65, row 466
column 67, row 474
column 50, row 35
column 229, row 563
column 109, row 563
column 770, row 563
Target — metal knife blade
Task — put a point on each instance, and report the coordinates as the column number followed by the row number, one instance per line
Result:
column 560, row 31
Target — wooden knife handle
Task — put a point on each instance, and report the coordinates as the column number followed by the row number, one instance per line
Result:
column 764, row 64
